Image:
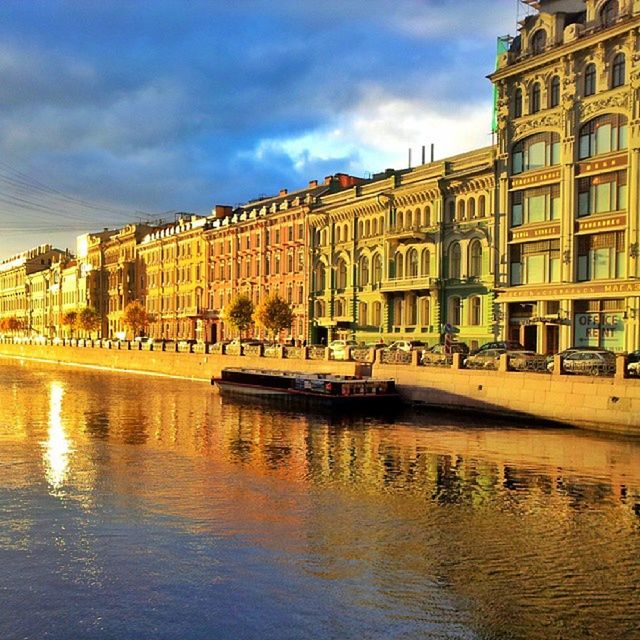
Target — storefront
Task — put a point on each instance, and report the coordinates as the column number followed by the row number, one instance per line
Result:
column 600, row 323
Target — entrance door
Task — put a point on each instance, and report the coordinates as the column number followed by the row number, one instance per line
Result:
column 531, row 337
column 553, row 338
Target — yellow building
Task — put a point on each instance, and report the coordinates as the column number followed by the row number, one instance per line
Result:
column 568, row 149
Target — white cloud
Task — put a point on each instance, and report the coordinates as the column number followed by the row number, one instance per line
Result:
column 378, row 132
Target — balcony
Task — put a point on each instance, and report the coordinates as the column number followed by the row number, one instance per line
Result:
column 413, row 283
column 399, row 233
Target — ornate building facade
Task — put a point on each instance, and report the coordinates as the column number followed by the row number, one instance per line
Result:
column 568, row 169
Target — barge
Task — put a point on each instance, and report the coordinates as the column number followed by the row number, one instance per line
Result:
column 322, row 388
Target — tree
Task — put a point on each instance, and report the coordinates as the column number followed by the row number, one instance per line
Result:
column 69, row 320
column 240, row 313
column 274, row 314
column 88, row 320
column 135, row 317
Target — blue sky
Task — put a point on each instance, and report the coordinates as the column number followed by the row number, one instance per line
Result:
column 112, row 111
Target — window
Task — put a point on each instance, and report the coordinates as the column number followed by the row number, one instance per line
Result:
column 455, row 311
column 538, row 41
column 398, row 265
column 412, row 263
column 377, row 269
column 601, row 256
column 455, row 261
column 341, row 274
column 364, row 271
column 535, row 205
column 609, row 13
column 517, row 103
column 398, row 309
column 535, row 262
column 617, row 71
column 475, row 311
column 426, row 262
column 590, row 79
column 535, row 98
column 600, row 194
column 535, row 152
column 362, row 314
column 482, row 207
column 603, row 135
column 427, row 216
column 554, row 92
column 377, row 314
column 475, row 259
column 425, row 316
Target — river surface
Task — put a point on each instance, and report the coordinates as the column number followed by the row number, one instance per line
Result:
column 143, row 507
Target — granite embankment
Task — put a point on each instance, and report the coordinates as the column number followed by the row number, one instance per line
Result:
column 594, row 402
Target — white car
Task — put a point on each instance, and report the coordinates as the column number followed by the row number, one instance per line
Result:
column 407, row 345
column 339, row 348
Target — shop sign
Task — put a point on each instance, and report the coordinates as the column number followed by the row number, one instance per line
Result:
column 604, row 330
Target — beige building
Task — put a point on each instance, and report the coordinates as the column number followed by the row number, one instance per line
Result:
column 569, row 171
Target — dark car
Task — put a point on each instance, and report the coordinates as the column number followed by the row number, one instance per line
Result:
column 507, row 345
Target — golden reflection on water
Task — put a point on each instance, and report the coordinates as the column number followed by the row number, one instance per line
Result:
column 57, row 447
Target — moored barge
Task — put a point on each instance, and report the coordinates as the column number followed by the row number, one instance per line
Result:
column 322, row 388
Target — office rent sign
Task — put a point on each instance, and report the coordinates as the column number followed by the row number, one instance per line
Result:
column 604, row 330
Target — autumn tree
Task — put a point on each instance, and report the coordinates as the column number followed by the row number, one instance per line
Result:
column 274, row 314
column 69, row 320
column 239, row 313
column 135, row 317
column 88, row 320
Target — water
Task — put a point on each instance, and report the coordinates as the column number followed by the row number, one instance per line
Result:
column 144, row 507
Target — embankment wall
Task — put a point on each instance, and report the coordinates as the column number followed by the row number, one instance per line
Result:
column 605, row 404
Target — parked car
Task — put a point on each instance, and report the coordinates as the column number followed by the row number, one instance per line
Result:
column 438, row 353
column 339, row 348
column 588, row 361
column 484, row 359
column 512, row 345
column 407, row 345
column 633, row 363
column 565, row 352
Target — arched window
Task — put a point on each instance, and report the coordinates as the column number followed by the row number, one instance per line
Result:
column 472, row 208
column 425, row 316
column 451, row 210
column 339, row 307
column 398, row 309
column 367, row 228
column 341, row 274
column 360, row 229
column 455, row 311
column 427, row 216
column 398, row 264
column 376, row 313
column 461, row 209
column 400, row 219
column 482, row 207
column 535, row 152
column 362, row 314
column 535, row 98
column 539, row 41
column 455, row 261
column 609, row 13
column 337, row 232
column 618, row 71
column 376, row 269
column 602, row 135
column 590, row 79
column 554, row 92
column 412, row 263
column 517, row 103
column 475, row 311
column 319, row 309
column 364, row 271
column 411, row 307
column 345, row 232
column 408, row 222
column 426, row 262
column 475, row 259
column 320, row 277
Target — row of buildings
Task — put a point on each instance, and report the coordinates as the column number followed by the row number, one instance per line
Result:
column 535, row 238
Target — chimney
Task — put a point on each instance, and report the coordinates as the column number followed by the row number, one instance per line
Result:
column 313, row 183
column 283, row 192
column 221, row 211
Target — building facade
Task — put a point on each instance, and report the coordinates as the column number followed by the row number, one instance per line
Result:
column 568, row 168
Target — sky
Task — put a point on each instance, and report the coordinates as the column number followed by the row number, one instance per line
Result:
column 116, row 111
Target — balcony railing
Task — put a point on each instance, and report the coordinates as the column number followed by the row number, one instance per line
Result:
column 406, row 284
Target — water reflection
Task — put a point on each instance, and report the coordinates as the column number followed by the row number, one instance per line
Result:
column 57, row 447
column 421, row 526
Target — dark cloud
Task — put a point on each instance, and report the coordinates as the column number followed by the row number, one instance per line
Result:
column 177, row 105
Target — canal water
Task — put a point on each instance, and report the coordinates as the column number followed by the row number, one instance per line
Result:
column 143, row 507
